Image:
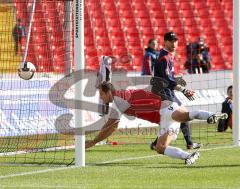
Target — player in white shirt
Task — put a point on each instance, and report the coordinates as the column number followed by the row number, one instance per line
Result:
column 150, row 107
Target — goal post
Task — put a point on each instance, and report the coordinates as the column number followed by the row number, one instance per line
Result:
column 79, row 65
column 236, row 73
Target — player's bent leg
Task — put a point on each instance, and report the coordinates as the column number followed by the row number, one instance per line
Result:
column 181, row 115
column 173, row 152
column 185, row 128
column 163, row 142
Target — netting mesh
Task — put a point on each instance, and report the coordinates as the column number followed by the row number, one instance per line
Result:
column 122, row 29
column 27, row 131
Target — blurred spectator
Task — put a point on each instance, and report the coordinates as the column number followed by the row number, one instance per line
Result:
column 19, row 31
column 198, row 57
column 226, row 108
column 149, row 57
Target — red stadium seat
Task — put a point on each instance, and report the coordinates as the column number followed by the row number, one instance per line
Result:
column 217, row 14
column 228, row 50
column 105, row 51
column 156, row 14
column 154, row 6
column 129, row 22
column 108, row 7
column 126, row 14
column 136, row 51
column 228, row 6
column 91, row 51
column 147, row 31
column 144, row 22
column 113, row 14
column 133, row 31
column 114, row 22
column 190, row 22
column 159, row 23
column 206, row 23
column 118, row 42
column 168, row 1
column 171, row 6
column 184, row 6
column 142, row 14
column 103, row 41
column 117, row 51
column 179, row 31
column 226, row 41
column 134, row 42
column 101, row 31
column 203, row 14
column 172, row 14
column 139, row 6
column 187, row 13
column 124, row 6
column 175, row 22
column 115, row 32
column 113, row 25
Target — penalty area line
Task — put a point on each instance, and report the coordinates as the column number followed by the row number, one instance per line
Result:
column 100, row 163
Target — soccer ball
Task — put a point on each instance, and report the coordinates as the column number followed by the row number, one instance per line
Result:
column 26, row 70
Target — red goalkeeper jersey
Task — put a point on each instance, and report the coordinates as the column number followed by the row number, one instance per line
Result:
column 139, row 103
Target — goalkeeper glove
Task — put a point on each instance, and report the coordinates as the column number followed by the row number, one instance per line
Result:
column 188, row 93
column 180, row 81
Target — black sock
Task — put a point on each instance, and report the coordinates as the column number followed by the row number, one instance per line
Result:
column 186, row 132
column 155, row 141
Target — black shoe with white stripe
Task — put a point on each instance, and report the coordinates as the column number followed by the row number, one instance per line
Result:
column 216, row 117
column 192, row 158
column 194, row 145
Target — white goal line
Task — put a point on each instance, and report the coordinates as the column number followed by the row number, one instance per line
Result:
column 37, row 150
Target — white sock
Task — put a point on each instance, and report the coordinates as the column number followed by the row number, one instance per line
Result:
column 176, row 153
column 200, row 114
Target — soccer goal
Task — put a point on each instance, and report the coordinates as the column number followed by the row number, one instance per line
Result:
column 45, row 120
column 38, row 32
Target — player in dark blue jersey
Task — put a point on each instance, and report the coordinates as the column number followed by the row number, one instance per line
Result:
column 149, row 57
column 164, row 68
column 227, row 108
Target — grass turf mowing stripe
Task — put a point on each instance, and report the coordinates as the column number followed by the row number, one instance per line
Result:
column 105, row 162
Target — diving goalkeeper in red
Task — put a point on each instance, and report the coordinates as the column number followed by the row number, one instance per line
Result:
column 148, row 106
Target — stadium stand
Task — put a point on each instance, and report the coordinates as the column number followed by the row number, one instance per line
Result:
column 123, row 27
column 7, row 43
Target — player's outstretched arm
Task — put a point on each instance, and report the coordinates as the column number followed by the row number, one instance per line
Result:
column 188, row 93
column 105, row 132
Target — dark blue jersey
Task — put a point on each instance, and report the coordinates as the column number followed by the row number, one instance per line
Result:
column 148, row 61
column 226, row 108
column 164, row 68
